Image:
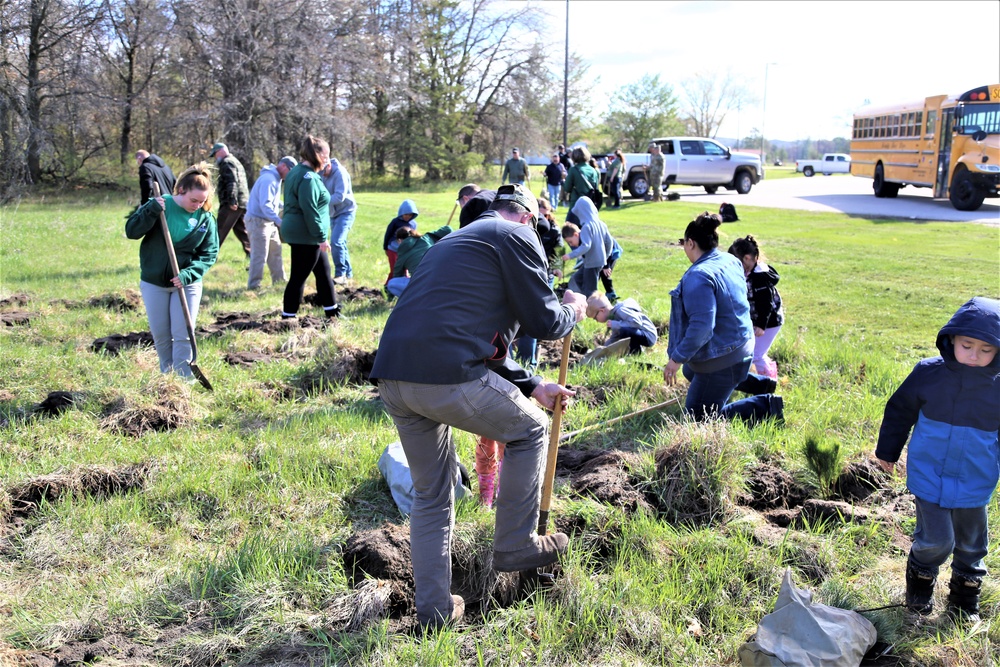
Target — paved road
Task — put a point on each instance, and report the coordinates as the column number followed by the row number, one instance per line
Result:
column 844, row 194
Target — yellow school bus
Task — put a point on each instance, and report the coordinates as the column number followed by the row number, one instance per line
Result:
column 950, row 144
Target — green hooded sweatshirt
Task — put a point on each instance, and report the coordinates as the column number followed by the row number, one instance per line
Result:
column 195, row 237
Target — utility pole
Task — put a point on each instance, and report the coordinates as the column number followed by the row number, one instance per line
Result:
column 565, row 140
column 763, row 117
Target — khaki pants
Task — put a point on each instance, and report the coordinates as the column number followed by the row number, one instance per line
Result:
column 265, row 248
column 424, row 415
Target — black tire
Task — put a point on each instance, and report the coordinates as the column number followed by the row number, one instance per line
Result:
column 964, row 195
column 881, row 187
column 711, row 189
column 808, row 172
column 638, row 186
column 743, row 182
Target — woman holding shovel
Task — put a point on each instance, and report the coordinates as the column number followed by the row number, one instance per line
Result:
column 195, row 239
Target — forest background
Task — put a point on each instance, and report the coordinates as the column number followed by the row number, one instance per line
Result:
column 432, row 90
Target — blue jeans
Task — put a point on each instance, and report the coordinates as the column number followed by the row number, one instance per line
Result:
column 554, row 195
column 339, row 226
column 708, row 393
column 943, row 532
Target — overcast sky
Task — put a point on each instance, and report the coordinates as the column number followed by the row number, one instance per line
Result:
column 826, row 58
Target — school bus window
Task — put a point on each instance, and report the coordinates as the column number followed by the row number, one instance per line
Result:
column 931, row 121
column 920, row 123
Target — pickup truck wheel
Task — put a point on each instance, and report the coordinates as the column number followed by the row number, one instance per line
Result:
column 881, row 187
column 743, row 182
column 638, row 187
column 964, row 195
column 711, row 189
column 808, row 172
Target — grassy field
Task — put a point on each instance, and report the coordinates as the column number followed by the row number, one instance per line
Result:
column 151, row 522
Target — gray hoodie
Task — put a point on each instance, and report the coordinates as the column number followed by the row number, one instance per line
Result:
column 265, row 196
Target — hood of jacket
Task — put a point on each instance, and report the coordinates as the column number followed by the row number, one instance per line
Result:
column 408, row 206
column 978, row 318
column 585, row 210
column 271, row 170
column 155, row 160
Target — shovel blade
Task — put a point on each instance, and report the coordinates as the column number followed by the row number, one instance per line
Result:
column 201, row 377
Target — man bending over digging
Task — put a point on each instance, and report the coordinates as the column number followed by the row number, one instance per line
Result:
column 461, row 376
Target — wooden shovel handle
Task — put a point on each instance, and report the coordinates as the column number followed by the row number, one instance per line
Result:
column 553, row 450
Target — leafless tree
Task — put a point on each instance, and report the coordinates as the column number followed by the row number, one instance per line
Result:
column 709, row 96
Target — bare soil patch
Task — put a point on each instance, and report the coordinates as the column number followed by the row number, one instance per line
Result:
column 127, row 301
column 604, row 476
column 860, row 480
column 115, row 344
column 769, row 488
column 350, row 365
column 550, row 353
column 360, row 293
column 243, row 321
column 248, row 359
column 15, row 300
column 16, row 318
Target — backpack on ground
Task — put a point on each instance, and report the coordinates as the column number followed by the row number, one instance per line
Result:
column 728, row 212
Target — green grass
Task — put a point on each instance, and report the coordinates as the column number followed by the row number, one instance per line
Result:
column 231, row 552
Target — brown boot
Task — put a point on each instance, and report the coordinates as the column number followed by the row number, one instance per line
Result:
column 545, row 550
column 457, row 612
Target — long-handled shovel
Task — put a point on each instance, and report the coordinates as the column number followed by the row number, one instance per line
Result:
column 535, row 578
column 183, row 295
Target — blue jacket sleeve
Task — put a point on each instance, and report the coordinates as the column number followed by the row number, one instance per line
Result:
column 901, row 413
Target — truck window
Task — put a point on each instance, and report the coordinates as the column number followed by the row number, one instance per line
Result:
column 829, row 158
column 712, row 148
column 841, row 158
column 667, row 148
column 691, row 148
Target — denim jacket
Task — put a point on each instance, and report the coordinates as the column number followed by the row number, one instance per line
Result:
column 709, row 311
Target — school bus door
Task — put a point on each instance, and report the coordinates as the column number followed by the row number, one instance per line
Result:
column 945, row 131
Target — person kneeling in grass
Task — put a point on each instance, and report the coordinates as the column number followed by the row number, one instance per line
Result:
column 625, row 319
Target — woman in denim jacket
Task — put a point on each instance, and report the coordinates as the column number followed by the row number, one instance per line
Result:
column 711, row 334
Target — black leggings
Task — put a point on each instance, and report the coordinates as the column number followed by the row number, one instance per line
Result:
column 308, row 259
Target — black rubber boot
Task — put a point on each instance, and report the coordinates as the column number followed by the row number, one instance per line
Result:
column 963, row 597
column 919, row 590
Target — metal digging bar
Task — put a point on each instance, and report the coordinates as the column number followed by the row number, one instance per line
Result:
column 183, row 295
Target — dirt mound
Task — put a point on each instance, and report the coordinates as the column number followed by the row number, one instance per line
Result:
column 860, row 480
column 360, row 293
column 771, row 488
column 128, row 301
column 116, row 343
column 243, row 321
column 15, row 300
column 383, row 554
column 550, row 353
column 350, row 365
column 248, row 359
column 169, row 409
column 97, row 481
column 605, row 477
column 16, row 318
column 592, row 397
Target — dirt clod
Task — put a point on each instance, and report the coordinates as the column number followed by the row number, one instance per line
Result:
column 360, row 293
column 248, row 359
column 15, row 300
column 860, row 480
column 170, row 408
column 243, row 321
column 57, row 402
column 606, row 478
column 770, row 488
column 115, row 344
column 16, row 318
column 833, row 511
column 96, row 481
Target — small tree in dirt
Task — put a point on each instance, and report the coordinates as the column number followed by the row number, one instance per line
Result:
column 825, row 459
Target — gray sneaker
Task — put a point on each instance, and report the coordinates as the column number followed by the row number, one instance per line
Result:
column 544, row 551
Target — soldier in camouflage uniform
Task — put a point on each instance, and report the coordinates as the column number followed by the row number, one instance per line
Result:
column 654, row 172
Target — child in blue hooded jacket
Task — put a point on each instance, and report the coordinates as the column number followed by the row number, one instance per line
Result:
column 952, row 405
column 404, row 218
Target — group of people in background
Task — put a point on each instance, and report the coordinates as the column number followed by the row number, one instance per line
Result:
column 484, row 297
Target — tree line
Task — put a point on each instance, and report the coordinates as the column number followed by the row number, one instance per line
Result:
column 412, row 88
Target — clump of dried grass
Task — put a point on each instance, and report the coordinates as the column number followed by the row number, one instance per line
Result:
column 698, row 473
column 162, row 407
column 334, row 365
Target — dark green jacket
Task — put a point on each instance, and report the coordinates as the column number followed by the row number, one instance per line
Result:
column 580, row 179
column 196, row 250
column 413, row 249
column 232, row 187
column 307, row 207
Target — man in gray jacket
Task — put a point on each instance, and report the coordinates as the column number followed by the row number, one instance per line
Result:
column 442, row 362
column 263, row 220
column 233, row 195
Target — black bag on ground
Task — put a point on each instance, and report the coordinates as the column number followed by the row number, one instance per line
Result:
column 728, row 212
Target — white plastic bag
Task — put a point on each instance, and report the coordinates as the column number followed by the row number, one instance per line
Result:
column 396, row 471
column 804, row 634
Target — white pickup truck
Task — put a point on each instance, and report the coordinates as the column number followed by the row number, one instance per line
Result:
column 832, row 163
column 695, row 161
